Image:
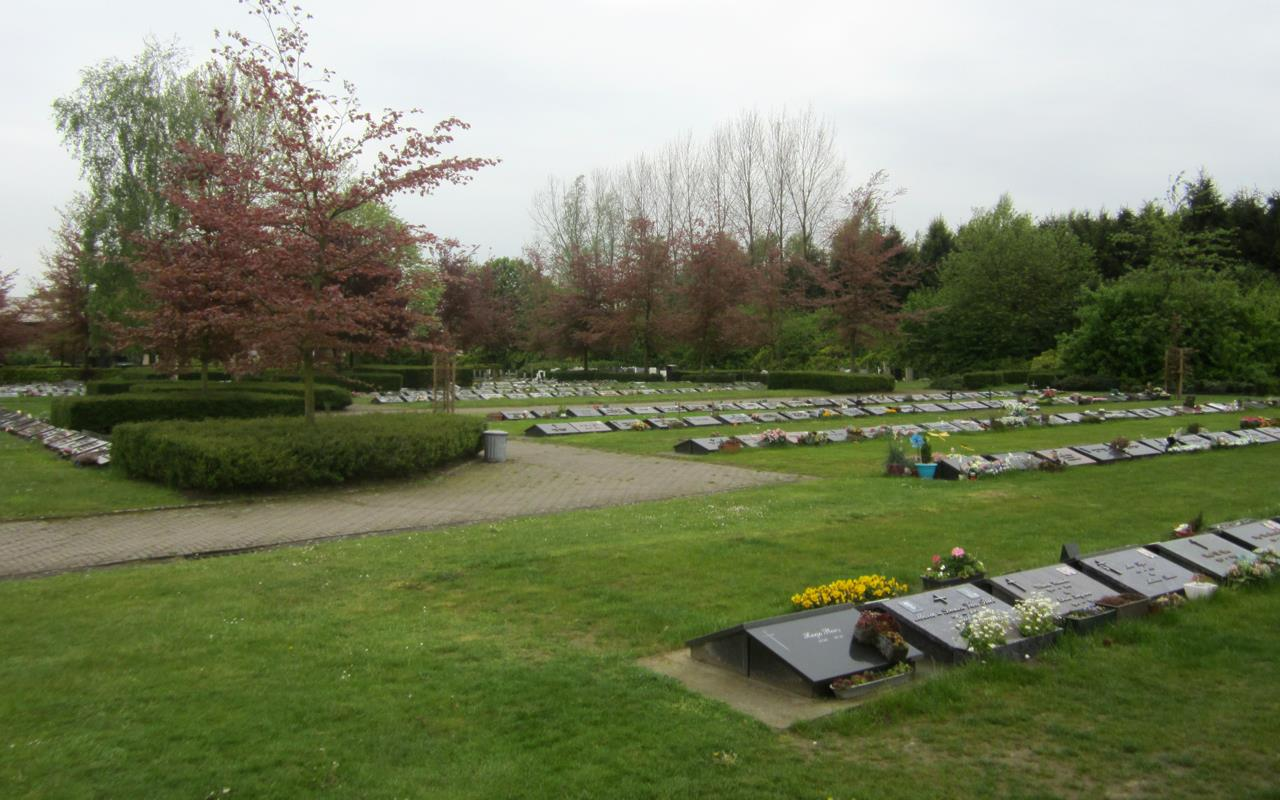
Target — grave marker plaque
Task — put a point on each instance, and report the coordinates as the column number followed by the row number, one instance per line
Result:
column 624, row 424
column 750, row 406
column 1195, row 441
column 642, row 410
column 1071, row 589
column 932, row 620
column 1274, row 433
column 670, row 408
column 550, row 429
column 1101, row 453
column 1159, row 445
column 929, row 408
column 952, row 406
column 701, row 421
column 1145, row 413
column 968, row 425
column 767, row 416
column 1140, row 450
column 975, row 405
column 1164, row 411
column 1206, row 553
column 699, row 447
column 750, row 439
column 1137, row 569
column 802, row 652
column 1017, row 460
column 659, row 423
column 736, row 419
column 941, row 426
column 1256, row 534
column 1255, row 435
column 1066, row 456
column 1066, row 418
column 878, row 411
column 837, row 435
column 590, row 427
column 796, row 416
column 584, row 411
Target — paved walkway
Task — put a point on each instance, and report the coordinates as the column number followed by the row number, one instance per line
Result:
column 537, row 478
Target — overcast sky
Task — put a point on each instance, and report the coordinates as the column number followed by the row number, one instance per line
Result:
column 1064, row 105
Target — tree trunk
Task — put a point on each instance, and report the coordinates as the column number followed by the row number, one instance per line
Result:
column 309, row 386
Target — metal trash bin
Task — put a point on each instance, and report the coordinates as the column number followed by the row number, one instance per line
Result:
column 495, row 446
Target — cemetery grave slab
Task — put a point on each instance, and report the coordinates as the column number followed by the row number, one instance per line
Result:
column 659, row 423
column 941, row 426
column 1017, row 460
column 701, row 421
column 642, row 410
column 801, row 652
column 736, row 419
column 1137, row 569
column 932, row 620
column 929, row 408
column 1164, row 411
column 796, row 416
column 1159, row 445
column 968, row 425
column 750, row 439
column 1140, row 450
column 1071, row 589
column 1206, row 553
column 1257, row 534
column 1068, row 418
column 1195, row 441
column 700, row 446
column 975, row 405
column 878, row 411
column 611, row 411
column 550, row 429
column 767, row 416
column 584, row 411
column 1101, row 453
column 1066, row 456
column 1255, row 435
column 1145, row 413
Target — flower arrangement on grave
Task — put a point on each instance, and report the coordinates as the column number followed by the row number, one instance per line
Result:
column 849, row 590
column 856, row 434
column 959, row 564
column 826, row 412
column 985, row 630
column 1263, row 568
column 815, row 437
column 861, row 678
column 1190, row 528
column 880, row 630
column 639, row 425
column 1252, row 422
column 896, row 462
column 1166, row 601
column 1119, row 444
column 1224, row 440
column 1085, row 612
column 773, row 436
column 1035, row 615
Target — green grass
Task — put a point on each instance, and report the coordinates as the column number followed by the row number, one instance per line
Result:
column 498, row 660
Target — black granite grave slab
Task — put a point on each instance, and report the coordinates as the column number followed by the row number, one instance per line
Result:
column 1263, row 534
column 837, row 435
column 750, row 439
column 700, row 446
column 700, row 421
column 514, row 415
column 1164, row 411
column 1140, row 450
column 670, row 408
column 968, row 425
column 1145, row 413
column 952, row 406
column 1066, row 456
column 659, row 423
column 992, row 404
column 932, row 620
column 951, row 467
column 853, row 411
column 584, row 411
column 797, row 416
column 642, row 410
column 801, row 652
column 1066, row 418
column 1137, row 569
column 590, row 427
column 767, row 416
column 1274, row 433
column 1160, row 445
column 1101, row 453
column 878, row 411
column 1071, row 589
column 627, row 424
column 750, row 406
column 1195, row 441
column 940, row 426
column 614, row 411
column 550, row 429
column 1255, row 435
column 736, row 419
column 1205, row 553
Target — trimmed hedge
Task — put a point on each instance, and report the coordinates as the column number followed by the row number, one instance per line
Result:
column 103, row 412
column 10, row 375
column 107, row 387
column 279, row 453
column 382, row 381
column 328, row 398
column 718, row 376
column 982, row 379
column 830, row 381
column 1016, row 376
column 1043, row 379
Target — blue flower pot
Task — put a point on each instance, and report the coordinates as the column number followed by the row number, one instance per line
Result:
column 926, row 470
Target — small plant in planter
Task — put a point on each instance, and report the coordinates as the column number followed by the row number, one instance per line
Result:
column 1118, row 444
column 1035, row 615
column 986, row 630
column 843, row 686
column 896, row 462
column 773, row 437
column 1192, row 428
column 1259, row 570
column 846, row 590
column 958, row 567
column 1167, row 601
column 926, row 452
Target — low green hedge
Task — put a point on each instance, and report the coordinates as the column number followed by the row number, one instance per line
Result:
column 382, row 381
column 1042, row 379
column 982, row 379
column 107, row 387
column 950, row 383
column 281, row 453
column 103, row 412
column 830, row 381
column 717, row 376
column 11, row 375
column 328, row 398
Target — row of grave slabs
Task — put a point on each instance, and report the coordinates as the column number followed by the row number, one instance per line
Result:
column 806, row 651
column 82, row 448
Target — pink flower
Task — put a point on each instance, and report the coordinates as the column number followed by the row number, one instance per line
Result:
column 957, row 552
column 937, row 558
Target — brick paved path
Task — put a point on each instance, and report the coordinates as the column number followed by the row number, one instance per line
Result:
column 537, row 478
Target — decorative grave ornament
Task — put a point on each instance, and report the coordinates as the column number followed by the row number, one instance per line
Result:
column 1254, row 534
column 1205, row 553
column 1136, row 569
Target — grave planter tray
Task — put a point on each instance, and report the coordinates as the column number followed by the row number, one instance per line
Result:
column 871, row 687
column 1027, row 646
column 1134, row 610
column 930, row 620
column 1083, row 625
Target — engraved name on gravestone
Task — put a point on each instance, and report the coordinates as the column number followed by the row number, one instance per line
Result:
column 1101, row 452
column 1206, row 553
column 1258, row 534
column 1067, row 456
column 939, row 614
column 590, row 427
column 1070, row 588
column 1138, row 569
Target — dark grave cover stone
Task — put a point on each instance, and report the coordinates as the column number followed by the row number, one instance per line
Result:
column 725, row 406
column 610, row 411
column 1119, row 414
column 767, row 416
column 929, row 408
column 659, row 423
column 736, row 419
column 642, row 410
column 822, row 402
column 584, row 411
column 517, row 396
column 1257, row 534
column 772, row 405
column 797, row 415
column 607, row 393
column 1066, row 456
column 941, row 426
column 491, row 396
column 905, row 430
column 802, row 652
column 1164, row 411
column 750, row 406
column 750, row 439
column 1145, row 413
column 951, row 467
column 700, row 446
column 1101, row 452
column 853, row 411
column 1159, row 445
column 1140, row 450
column 1274, row 433
column 878, row 411
column 510, row 415
column 1070, row 588
column 975, row 405
column 1137, row 569
column 623, row 424
column 1219, row 407
column 795, row 403
column 697, row 407
column 1206, row 553
column 700, row 421
column 931, row 620
column 1067, row 418
column 550, row 429
column 1195, row 441
column 1017, row 460
column 992, row 404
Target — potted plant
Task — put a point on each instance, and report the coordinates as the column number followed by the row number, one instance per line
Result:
column 958, row 567
column 863, row 683
column 896, row 463
column 1201, row 587
column 1118, row 444
column 1036, row 624
column 926, row 467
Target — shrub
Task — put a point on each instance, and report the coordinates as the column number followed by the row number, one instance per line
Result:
column 382, row 381
column 11, row 375
column 1016, row 376
column 717, row 376
column 328, row 398
column 1042, row 379
column 981, row 380
column 279, row 453
column 948, row 383
column 830, row 381
column 106, row 387
column 102, row 413
column 1093, row 383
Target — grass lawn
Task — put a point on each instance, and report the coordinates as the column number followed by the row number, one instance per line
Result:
column 499, row 660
